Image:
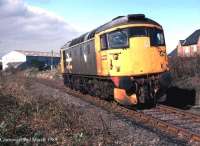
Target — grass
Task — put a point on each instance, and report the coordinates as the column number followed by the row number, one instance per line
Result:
column 42, row 120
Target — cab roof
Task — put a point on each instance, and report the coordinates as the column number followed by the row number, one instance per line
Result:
column 120, row 20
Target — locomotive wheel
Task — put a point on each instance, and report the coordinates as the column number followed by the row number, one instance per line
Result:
column 146, row 97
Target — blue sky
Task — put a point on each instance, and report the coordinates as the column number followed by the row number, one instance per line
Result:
column 48, row 24
column 179, row 18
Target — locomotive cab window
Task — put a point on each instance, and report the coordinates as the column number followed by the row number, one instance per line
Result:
column 157, row 37
column 118, row 39
column 104, row 44
column 137, row 32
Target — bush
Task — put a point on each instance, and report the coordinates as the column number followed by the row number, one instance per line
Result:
column 184, row 67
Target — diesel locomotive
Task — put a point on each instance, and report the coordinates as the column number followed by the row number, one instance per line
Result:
column 123, row 59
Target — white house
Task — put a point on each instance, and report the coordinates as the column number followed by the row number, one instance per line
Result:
column 19, row 57
column 12, row 57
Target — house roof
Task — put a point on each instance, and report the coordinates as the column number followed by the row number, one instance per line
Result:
column 173, row 53
column 38, row 53
column 192, row 39
column 181, row 42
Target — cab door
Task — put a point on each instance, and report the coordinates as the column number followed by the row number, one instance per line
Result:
column 101, row 54
column 109, row 50
column 104, row 55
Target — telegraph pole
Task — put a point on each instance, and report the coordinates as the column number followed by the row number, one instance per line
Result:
column 51, row 59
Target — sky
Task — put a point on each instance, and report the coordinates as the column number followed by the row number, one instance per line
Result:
column 47, row 24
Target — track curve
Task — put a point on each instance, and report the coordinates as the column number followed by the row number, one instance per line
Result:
column 171, row 121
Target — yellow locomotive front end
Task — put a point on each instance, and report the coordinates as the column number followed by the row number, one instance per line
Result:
column 132, row 51
column 134, row 56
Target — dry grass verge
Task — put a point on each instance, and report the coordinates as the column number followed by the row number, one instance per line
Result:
column 184, row 67
column 24, row 114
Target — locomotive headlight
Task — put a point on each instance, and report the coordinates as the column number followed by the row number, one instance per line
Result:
column 115, row 56
column 117, row 68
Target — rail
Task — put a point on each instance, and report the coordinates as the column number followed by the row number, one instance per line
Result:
column 169, row 120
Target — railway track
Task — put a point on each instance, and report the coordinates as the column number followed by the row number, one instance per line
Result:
column 171, row 121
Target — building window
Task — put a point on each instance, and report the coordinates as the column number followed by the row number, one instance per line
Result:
column 195, row 49
column 187, row 51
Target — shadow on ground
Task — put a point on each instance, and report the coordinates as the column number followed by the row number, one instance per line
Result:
column 180, row 98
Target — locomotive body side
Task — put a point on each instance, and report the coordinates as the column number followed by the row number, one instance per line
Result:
column 81, row 59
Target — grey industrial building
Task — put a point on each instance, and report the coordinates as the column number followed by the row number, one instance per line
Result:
column 25, row 59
